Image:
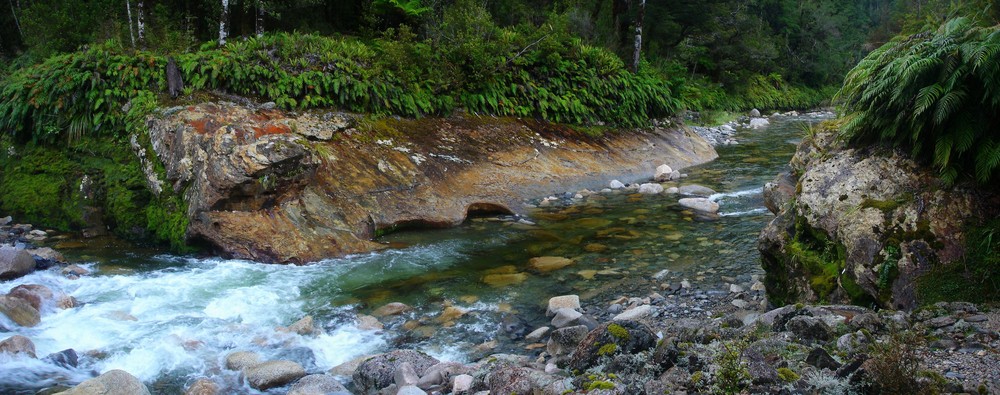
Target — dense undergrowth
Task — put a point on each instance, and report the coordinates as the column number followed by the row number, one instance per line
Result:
column 935, row 94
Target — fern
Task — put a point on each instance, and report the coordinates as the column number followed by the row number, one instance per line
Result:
column 934, row 94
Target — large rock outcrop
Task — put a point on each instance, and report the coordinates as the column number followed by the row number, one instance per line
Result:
column 861, row 226
column 299, row 187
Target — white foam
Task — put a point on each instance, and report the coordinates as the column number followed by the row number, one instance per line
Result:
column 749, row 192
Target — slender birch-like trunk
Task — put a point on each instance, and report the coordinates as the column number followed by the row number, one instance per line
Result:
column 638, row 36
column 260, row 18
column 16, row 21
column 141, row 23
column 224, row 22
column 131, row 28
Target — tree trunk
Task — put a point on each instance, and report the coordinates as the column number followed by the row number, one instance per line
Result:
column 141, row 24
column 131, row 27
column 260, row 18
column 224, row 22
column 16, row 22
column 638, row 36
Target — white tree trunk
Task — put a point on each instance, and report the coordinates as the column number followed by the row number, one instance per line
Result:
column 141, row 24
column 260, row 18
column 223, row 22
column 131, row 28
column 638, row 36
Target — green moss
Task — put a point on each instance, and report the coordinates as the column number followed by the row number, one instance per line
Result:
column 885, row 206
column 618, row 331
column 607, row 349
column 696, row 378
column 976, row 279
column 599, row 385
column 787, row 375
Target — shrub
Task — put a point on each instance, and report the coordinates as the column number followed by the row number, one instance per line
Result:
column 934, row 94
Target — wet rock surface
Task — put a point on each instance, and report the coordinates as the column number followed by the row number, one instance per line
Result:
column 257, row 174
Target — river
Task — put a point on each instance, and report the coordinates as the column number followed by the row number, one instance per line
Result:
column 172, row 319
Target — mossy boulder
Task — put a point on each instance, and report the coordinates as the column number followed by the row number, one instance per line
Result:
column 611, row 339
column 863, row 226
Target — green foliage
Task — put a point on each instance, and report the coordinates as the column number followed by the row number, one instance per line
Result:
column 787, row 375
column 732, row 376
column 975, row 279
column 934, row 94
column 618, row 331
column 759, row 91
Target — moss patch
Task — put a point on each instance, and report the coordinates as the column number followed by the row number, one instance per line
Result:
column 787, row 375
column 618, row 331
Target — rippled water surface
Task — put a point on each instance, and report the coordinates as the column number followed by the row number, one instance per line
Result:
column 170, row 320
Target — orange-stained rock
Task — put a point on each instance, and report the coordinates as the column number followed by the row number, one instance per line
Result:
column 277, row 187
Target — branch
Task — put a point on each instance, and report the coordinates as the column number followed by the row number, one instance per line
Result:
column 523, row 50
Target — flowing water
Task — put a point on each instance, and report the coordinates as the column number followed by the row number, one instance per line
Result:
column 172, row 319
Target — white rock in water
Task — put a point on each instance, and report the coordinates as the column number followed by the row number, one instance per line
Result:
column 700, row 204
column 562, row 302
column 634, row 314
column 651, row 188
column 755, row 113
column 663, row 173
column 757, row 123
column 615, row 184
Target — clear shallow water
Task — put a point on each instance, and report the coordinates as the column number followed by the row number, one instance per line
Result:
column 170, row 320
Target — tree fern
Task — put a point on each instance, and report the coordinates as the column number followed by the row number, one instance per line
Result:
column 935, row 94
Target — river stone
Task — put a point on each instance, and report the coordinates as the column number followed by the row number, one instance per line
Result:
column 758, row 123
column 537, row 334
column 405, row 375
column 615, row 184
column 809, row 328
column 700, row 204
column 547, row 264
column 379, row 371
column 348, row 368
column 316, row 384
column 410, row 390
column 461, row 384
column 755, row 113
column 504, row 279
column 509, row 380
column 566, row 317
column 562, row 302
column 48, row 254
column 663, row 173
column 821, row 359
column 270, row 374
column 241, row 360
column 440, row 374
column 66, row 358
column 696, row 190
column 114, row 382
column 75, row 270
column 394, row 308
column 203, row 386
column 18, row 344
column 15, row 263
column 628, row 337
column 564, row 341
column 303, row 327
column 34, row 294
column 650, row 188
column 19, row 311
column 6, row 220
column 369, row 323
column 637, row 313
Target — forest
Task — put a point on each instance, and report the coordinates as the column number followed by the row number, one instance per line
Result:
column 716, row 54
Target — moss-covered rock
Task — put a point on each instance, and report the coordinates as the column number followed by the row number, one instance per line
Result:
column 863, row 226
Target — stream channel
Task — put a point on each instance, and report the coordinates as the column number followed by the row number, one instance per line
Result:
column 170, row 320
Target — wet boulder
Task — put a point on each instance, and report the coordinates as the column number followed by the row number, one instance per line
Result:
column 20, row 311
column 66, row 358
column 32, row 293
column 316, row 384
column 18, row 344
column 115, row 382
column 15, row 263
column 509, row 380
column 270, row 374
column 240, row 360
column 379, row 371
column 203, row 386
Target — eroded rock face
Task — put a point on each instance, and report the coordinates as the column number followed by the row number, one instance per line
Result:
column 861, row 227
column 294, row 188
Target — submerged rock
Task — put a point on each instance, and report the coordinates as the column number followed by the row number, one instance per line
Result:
column 700, row 204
